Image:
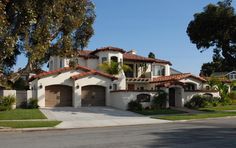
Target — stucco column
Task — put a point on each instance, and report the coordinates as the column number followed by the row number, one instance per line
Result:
column 167, row 100
column 77, row 94
column 182, row 97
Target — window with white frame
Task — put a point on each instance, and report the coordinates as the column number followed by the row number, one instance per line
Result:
column 158, row 70
column 104, row 59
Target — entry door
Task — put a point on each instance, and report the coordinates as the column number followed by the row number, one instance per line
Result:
column 172, row 97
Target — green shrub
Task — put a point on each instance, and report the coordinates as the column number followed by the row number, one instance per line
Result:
column 6, row 102
column 33, row 103
column 160, row 100
column 134, row 106
column 232, row 96
column 200, row 101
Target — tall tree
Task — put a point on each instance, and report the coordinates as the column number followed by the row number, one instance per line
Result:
column 215, row 28
column 151, row 55
column 41, row 28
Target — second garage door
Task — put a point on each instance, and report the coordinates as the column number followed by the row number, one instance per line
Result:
column 93, row 95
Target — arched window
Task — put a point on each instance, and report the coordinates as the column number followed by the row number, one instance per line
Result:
column 208, row 95
column 114, row 59
column 143, row 98
column 190, row 86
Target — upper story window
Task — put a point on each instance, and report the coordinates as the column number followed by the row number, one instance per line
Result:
column 104, row 59
column 158, row 70
column 114, row 59
column 232, row 76
column 130, row 73
column 190, row 86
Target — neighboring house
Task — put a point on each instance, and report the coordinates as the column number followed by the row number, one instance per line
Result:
column 86, row 85
column 229, row 75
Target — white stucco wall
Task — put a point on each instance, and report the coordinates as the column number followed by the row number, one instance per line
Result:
column 82, row 61
column 121, row 82
column 92, row 63
column 108, row 55
column 59, row 79
column 167, row 69
column 120, row 99
column 64, row 79
column 197, row 82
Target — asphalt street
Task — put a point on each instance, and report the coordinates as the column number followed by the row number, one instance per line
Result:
column 199, row 133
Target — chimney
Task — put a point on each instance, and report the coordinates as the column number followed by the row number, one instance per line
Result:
column 132, row 51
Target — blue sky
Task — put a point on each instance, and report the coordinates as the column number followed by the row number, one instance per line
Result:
column 149, row 25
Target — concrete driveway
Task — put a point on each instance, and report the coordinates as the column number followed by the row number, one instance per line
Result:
column 96, row 117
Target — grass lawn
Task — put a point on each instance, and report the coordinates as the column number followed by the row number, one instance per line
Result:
column 22, row 114
column 28, row 124
column 196, row 116
column 159, row 112
column 219, row 108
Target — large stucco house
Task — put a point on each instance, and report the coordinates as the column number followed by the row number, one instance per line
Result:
column 86, row 85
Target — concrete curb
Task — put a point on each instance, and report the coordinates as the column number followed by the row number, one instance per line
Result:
column 227, row 117
column 63, row 129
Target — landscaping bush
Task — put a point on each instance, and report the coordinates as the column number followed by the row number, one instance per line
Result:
column 232, row 96
column 7, row 102
column 33, row 103
column 201, row 101
column 160, row 100
column 134, row 106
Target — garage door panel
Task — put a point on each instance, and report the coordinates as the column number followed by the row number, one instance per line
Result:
column 93, row 96
column 58, row 95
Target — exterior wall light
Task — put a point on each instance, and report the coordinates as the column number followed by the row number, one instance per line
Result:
column 77, row 86
column 110, row 87
column 40, row 86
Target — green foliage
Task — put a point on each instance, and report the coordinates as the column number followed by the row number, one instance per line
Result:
column 200, row 101
column 6, row 102
column 232, row 97
column 215, row 27
column 151, row 55
column 20, row 84
column 134, row 106
column 33, row 103
column 29, row 26
column 160, row 100
column 72, row 63
column 113, row 68
column 218, row 85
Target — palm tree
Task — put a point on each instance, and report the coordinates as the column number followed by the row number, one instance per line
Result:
column 114, row 68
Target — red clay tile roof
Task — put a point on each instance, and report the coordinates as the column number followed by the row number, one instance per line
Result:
column 134, row 57
column 175, row 77
column 58, row 71
column 93, row 72
column 169, row 83
column 86, row 54
column 109, row 48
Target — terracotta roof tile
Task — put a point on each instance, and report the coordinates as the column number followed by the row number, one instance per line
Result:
column 93, row 72
column 58, row 71
column 86, row 54
column 134, row 57
column 175, row 77
column 109, row 48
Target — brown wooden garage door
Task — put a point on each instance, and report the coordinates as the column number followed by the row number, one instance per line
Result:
column 58, row 95
column 93, row 95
